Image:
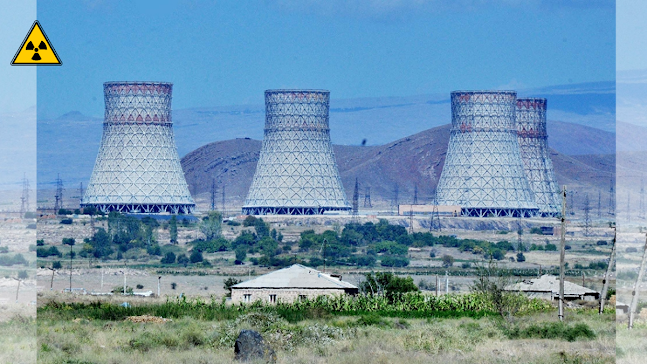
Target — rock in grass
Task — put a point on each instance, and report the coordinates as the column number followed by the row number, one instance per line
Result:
column 251, row 346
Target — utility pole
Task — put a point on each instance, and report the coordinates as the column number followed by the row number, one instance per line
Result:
column 223, row 199
column 599, row 204
column 395, row 198
column 24, row 198
column 636, row 291
column 562, row 253
column 607, row 275
column 81, row 193
column 415, row 194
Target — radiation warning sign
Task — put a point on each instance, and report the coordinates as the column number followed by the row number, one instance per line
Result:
column 36, row 50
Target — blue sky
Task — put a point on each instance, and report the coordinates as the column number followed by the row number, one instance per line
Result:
column 229, row 52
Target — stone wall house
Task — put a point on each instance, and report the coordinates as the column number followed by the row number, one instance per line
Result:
column 547, row 287
column 290, row 284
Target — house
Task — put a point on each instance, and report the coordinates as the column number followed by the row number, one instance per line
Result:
column 547, row 287
column 291, row 284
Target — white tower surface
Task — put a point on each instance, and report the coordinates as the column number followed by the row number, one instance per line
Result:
column 533, row 143
column 296, row 172
column 483, row 171
column 138, row 169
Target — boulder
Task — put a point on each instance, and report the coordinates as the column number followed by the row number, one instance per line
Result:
column 251, row 346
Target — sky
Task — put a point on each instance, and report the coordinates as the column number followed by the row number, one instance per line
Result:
column 17, row 98
column 229, row 52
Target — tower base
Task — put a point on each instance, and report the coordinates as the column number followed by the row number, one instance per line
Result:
column 144, row 208
column 292, row 210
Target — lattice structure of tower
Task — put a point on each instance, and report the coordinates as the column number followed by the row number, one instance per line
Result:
column 296, row 172
column 24, row 198
column 395, row 201
column 58, row 196
column 367, row 197
column 533, row 144
column 137, row 168
column 434, row 219
column 415, row 194
column 214, row 191
column 483, row 171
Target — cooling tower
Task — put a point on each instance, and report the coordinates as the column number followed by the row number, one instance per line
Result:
column 138, row 169
column 483, row 170
column 296, row 172
column 533, row 143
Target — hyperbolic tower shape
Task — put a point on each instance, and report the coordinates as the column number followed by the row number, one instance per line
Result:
column 533, row 143
column 138, row 169
column 483, row 170
column 296, row 172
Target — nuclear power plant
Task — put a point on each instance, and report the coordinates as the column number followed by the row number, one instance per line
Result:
column 533, row 143
column 483, row 171
column 296, row 172
column 138, row 169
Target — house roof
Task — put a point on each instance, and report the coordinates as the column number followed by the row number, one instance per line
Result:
column 549, row 283
column 296, row 276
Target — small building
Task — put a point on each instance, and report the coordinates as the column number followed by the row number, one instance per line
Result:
column 291, row 284
column 442, row 210
column 547, row 287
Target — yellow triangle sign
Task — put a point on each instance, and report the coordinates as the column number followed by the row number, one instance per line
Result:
column 36, row 50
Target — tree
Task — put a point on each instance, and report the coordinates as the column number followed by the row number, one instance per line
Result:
column 23, row 274
column 169, row 258
column 182, row 259
column 173, row 229
column 196, row 257
column 521, row 257
column 262, row 228
column 241, row 254
column 229, row 282
column 211, row 225
column 388, row 284
column 57, row 264
column 101, row 244
column 448, row 261
column 491, row 282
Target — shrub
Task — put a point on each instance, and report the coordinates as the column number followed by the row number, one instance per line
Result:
column 551, row 247
column 250, row 220
column 67, row 221
column 57, row 264
column 521, row 257
column 394, row 262
column 448, row 261
column 536, row 230
column 388, row 284
column 196, row 257
column 552, row 330
column 601, row 242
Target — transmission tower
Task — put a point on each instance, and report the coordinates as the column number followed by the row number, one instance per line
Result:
column 367, row 197
column 415, row 194
column 434, row 220
column 599, row 204
column 411, row 219
column 24, row 198
column 395, row 199
column 587, row 216
column 214, row 190
column 641, row 211
column 58, row 197
column 612, row 200
column 519, row 235
column 356, row 202
column 81, row 192
column 223, row 198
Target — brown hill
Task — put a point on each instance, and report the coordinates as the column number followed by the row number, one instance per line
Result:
column 414, row 160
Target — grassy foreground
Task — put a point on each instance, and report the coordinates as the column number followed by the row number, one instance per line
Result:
column 18, row 341
column 98, row 333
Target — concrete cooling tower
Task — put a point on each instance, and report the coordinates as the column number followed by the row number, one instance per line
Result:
column 533, row 143
column 296, row 172
column 138, row 169
column 483, row 171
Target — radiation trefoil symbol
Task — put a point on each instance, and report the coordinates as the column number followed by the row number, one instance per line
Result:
column 31, row 55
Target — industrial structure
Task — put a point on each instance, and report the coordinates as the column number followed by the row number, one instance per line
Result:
column 290, row 284
column 533, row 144
column 138, row 169
column 483, row 171
column 296, row 172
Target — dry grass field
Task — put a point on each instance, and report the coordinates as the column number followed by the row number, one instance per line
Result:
column 327, row 339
